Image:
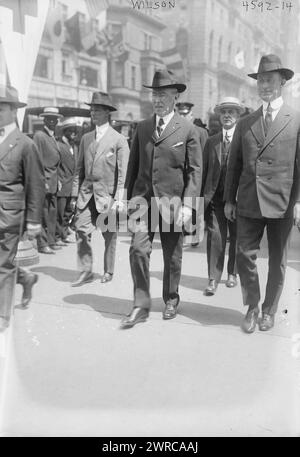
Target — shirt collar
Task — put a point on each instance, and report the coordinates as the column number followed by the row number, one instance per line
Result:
column 229, row 132
column 166, row 118
column 9, row 128
column 102, row 128
column 50, row 132
column 275, row 104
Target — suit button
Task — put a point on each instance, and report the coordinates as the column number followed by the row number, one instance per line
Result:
column 259, row 160
column 257, row 177
column 271, row 144
column 270, row 161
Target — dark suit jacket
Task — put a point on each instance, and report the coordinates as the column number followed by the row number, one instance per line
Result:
column 101, row 168
column 203, row 135
column 48, row 148
column 22, row 182
column 211, row 167
column 264, row 172
column 168, row 166
column 66, row 169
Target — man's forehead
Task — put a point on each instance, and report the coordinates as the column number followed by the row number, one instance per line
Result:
column 164, row 90
column 269, row 75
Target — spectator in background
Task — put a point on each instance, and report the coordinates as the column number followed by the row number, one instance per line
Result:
column 50, row 154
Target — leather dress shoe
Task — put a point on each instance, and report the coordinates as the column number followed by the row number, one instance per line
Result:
column 250, row 320
column 30, row 280
column 231, row 281
column 46, row 250
column 137, row 315
column 106, row 277
column 170, row 310
column 267, row 322
column 60, row 243
column 55, row 247
column 211, row 288
column 84, row 278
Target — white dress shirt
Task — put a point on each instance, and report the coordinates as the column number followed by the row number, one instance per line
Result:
column 229, row 133
column 166, row 120
column 101, row 130
column 275, row 105
column 7, row 130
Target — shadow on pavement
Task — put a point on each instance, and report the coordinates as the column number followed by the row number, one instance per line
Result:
column 59, row 274
column 115, row 307
column 190, row 282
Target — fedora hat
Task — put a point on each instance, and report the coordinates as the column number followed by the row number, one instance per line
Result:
column 9, row 94
column 229, row 102
column 269, row 63
column 102, row 98
column 51, row 111
column 69, row 122
column 184, row 107
column 165, row 78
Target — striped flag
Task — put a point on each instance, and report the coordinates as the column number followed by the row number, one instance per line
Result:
column 95, row 7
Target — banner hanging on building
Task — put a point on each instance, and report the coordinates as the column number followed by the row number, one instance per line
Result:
column 21, row 27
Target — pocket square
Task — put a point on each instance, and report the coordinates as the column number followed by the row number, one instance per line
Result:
column 177, row 144
column 109, row 154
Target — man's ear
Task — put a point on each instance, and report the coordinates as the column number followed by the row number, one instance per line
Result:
column 283, row 81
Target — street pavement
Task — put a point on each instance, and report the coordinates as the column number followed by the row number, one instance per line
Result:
column 69, row 370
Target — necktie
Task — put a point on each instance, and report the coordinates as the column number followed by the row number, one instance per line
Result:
column 225, row 150
column 159, row 126
column 2, row 132
column 268, row 118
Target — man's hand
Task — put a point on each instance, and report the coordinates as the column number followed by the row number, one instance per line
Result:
column 230, row 211
column 184, row 216
column 297, row 215
column 33, row 230
column 73, row 203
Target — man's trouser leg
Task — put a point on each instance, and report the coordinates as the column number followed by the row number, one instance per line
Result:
column 231, row 264
column 8, row 250
column 84, row 226
column 249, row 235
column 216, row 240
column 278, row 233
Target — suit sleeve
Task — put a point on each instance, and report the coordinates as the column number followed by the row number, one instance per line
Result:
column 297, row 171
column 34, row 183
column 133, row 165
column 205, row 165
column 80, row 170
column 122, row 162
column 203, row 138
column 193, row 166
column 234, row 167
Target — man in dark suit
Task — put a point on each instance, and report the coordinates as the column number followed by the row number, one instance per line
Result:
column 165, row 164
column 50, row 153
column 184, row 109
column 66, row 172
column 214, row 171
column 263, row 176
column 21, row 198
column 99, row 184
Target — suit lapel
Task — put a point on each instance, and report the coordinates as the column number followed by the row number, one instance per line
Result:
column 101, row 145
column 9, row 143
column 218, row 146
column 257, row 126
column 172, row 126
column 281, row 120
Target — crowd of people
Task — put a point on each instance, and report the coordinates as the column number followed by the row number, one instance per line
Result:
column 247, row 174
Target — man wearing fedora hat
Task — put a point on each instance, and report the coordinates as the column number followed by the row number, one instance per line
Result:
column 262, row 189
column 98, row 185
column 214, row 170
column 66, row 172
column 165, row 163
column 21, row 200
column 50, row 153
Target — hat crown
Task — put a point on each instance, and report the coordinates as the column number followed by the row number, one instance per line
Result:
column 166, row 78
column 269, row 62
column 69, row 122
column 99, row 98
column 9, row 94
column 229, row 101
column 50, row 110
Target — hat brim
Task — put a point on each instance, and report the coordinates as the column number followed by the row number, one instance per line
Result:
column 286, row 72
column 15, row 104
column 179, row 87
column 67, row 126
column 59, row 116
column 111, row 108
column 239, row 108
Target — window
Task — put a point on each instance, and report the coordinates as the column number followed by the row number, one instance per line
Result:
column 66, row 64
column 42, row 66
column 148, row 45
column 88, row 76
column 133, row 78
column 229, row 52
column 220, row 49
column 118, row 74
